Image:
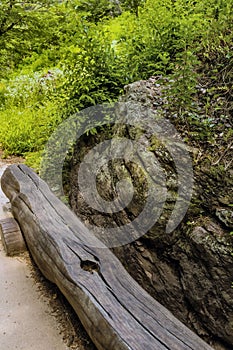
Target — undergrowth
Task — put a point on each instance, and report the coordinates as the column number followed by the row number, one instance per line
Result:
column 97, row 53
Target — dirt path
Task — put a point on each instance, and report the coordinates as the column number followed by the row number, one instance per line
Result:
column 25, row 322
column 33, row 313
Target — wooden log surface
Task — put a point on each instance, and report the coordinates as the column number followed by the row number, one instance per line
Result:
column 11, row 236
column 117, row 313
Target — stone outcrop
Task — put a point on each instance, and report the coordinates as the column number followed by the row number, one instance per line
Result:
column 188, row 270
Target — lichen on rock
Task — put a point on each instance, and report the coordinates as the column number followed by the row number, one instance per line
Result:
column 190, row 269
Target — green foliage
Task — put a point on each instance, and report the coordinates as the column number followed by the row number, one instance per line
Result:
column 33, row 160
column 31, row 89
column 132, row 5
column 93, row 73
column 29, row 113
column 94, row 48
column 97, row 10
column 26, row 129
column 27, row 28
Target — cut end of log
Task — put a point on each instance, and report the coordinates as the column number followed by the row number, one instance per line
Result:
column 11, row 236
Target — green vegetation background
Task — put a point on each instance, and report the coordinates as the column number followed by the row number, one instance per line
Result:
column 58, row 57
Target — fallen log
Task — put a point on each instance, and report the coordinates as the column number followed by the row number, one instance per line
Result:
column 116, row 312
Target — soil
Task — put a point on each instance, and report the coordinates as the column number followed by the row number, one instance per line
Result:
column 34, row 314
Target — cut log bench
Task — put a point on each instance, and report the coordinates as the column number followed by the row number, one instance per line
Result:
column 116, row 312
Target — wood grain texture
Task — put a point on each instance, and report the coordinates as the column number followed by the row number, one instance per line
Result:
column 116, row 312
column 11, row 236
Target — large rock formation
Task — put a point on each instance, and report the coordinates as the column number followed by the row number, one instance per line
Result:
column 189, row 270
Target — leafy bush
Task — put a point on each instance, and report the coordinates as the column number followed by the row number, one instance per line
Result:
column 93, row 72
column 27, row 129
column 97, row 10
column 98, row 49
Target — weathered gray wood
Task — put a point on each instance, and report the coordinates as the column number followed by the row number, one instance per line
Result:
column 11, row 236
column 116, row 312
